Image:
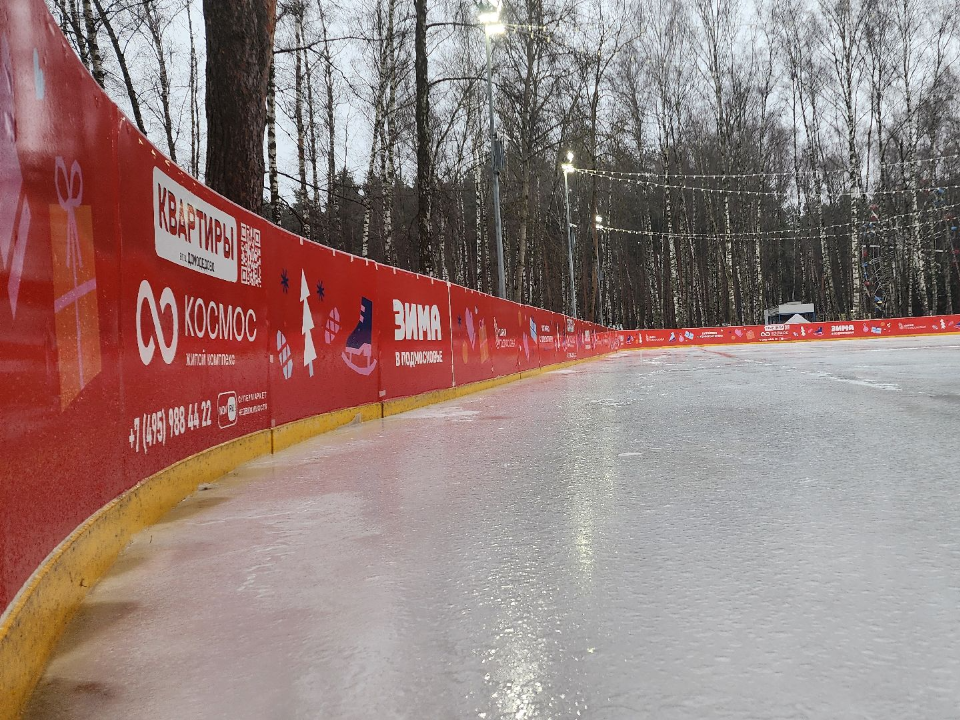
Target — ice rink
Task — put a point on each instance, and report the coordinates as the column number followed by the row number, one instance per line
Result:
column 748, row 532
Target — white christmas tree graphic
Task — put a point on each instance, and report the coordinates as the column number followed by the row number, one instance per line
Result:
column 309, row 351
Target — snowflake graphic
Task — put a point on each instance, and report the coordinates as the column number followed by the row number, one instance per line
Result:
column 285, row 281
column 320, row 290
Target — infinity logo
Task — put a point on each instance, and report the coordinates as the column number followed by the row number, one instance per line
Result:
column 167, row 351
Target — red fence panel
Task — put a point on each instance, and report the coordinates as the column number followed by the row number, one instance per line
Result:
column 544, row 335
column 473, row 334
column 413, row 316
column 528, row 345
column 833, row 330
column 193, row 313
column 509, row 328
column 324, row 346
column 60, row 435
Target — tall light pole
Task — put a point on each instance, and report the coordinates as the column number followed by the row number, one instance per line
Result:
column 599, row 220
column 567, row 168
column 489, row 17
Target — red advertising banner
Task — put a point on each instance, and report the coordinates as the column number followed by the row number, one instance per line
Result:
column 509, row 331
column 324, row 346
column 193, row 313
column 60, row 449
column 528, row 346
column 551, row 333
column 474, row 333
column 413, row 317
column 745, row 334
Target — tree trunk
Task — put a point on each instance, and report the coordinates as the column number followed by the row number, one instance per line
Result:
column 122, row 62
column 299, row 121
column 239, row 51
column 272, row 144
column 193, row 100
column 424, row 142
column 96, row 59
column 388, row 163
column 153, row 26
column 522, row 232
column 71, row 16
column 313, row 154
column 480, row 224
column 334, row 230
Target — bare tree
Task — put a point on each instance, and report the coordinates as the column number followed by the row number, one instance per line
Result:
column 424, row 143
column 132, row 96
column 845, row 23
column 96, row 59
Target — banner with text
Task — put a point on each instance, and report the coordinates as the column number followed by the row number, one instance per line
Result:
column 745, row 334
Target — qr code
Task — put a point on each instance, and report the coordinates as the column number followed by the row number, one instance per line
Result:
column 249, row 255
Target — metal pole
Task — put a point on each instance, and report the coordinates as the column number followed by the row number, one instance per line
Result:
column 573, row 286
column 600, row 314
column 495, row 174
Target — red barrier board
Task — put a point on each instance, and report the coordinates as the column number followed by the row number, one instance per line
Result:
column 543, row 327
column 324, row 346
column 193, row 313
column 509, row 329
column 834, row 330
column 60, row 455
column 413, row 315
column 528, row 350
column 584, row 336
column 474, row 334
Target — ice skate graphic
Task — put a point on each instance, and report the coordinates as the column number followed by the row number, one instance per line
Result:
column 358, row 354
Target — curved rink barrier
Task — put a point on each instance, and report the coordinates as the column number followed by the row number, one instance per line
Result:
column 154, row 336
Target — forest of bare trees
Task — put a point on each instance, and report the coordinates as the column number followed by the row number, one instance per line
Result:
column 738, row 154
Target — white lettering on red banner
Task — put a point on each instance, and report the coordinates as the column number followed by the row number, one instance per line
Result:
column 207, row 319
column 202, row 319
column 416, row 322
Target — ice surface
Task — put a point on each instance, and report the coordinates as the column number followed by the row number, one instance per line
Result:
column 757, row 532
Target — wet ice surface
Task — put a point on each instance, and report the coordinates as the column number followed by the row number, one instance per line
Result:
column 757, row 532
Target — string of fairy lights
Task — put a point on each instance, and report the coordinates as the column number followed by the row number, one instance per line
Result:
column 775, row 235
column 612, row 175
column 782, row 173
column 872, row 225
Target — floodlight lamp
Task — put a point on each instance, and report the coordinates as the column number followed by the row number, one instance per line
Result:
column 570, row 156
column 567, row 168
column 599, row 219
column 496, row 28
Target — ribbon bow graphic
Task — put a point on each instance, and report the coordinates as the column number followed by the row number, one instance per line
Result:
column 70, row 195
